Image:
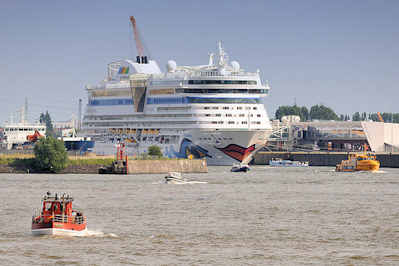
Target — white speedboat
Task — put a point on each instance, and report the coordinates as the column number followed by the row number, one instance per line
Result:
column 240, row 168
column 278, row 162
column 175, row 178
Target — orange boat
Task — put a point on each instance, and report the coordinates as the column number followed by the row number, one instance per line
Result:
column 56, row 217
column 359, row 162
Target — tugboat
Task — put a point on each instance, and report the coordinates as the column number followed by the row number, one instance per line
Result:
column 56, row 217
column 359, row 162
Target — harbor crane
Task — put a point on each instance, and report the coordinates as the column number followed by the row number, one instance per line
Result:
column 380, row 117
column 141, row 57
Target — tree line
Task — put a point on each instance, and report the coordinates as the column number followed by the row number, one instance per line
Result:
column 322, row 112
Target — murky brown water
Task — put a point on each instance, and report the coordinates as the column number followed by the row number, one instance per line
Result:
column 270, row 216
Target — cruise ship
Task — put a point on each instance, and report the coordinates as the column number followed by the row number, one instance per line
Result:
column 213, row 111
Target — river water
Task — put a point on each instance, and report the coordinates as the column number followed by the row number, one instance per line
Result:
column 269, row 216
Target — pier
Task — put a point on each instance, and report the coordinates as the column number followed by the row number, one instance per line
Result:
column 322, row 158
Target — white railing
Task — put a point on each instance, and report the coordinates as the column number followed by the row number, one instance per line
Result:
column 59, row 218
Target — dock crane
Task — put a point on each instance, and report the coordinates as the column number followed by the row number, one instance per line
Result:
column 380, row 117
column 141, row 58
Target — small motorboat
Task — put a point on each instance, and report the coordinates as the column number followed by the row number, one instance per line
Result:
column 240, row 168
column 278, row 162
column 175, row 178
column 56, row 217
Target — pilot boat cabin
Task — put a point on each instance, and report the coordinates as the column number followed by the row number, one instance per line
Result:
column 57, row 216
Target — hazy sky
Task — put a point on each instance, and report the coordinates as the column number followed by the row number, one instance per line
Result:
column 343, row 54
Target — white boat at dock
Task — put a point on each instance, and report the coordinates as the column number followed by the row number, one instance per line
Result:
column 278, row 162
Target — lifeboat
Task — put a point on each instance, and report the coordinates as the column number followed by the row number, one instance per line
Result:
column 56, row 217
column 359, row 162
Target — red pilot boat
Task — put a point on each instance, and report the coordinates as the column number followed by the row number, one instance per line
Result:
column 57, row 217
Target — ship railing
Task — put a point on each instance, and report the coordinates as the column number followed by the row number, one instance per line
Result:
column 59, row 218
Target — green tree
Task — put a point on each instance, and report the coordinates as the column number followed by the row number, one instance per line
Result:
column 356, row 117
column 50, row 155
column 374, row 117
column 284, row 110
column 46, row 119
column 154, row 151
column 364, row 116
column 322, row 112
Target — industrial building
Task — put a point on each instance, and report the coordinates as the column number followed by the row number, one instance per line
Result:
column 293, row 135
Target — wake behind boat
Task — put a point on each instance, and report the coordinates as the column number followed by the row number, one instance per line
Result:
column 56, row 217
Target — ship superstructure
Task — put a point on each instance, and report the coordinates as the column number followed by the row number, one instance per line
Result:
column 211, row 111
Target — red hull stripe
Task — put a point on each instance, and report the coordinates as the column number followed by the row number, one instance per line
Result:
column 65, row 226
column 237, row 152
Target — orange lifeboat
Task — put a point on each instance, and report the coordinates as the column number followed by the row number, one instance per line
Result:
column 56, row 217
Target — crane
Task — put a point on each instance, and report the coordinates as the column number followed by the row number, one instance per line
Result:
column 141, row 58
column 380, row 117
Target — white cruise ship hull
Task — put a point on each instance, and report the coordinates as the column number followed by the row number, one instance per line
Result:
column 217, row 147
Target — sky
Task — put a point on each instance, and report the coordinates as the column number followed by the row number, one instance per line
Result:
column 343, row 54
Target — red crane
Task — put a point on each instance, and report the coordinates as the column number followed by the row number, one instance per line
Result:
column 139, row 45
column 380, row 117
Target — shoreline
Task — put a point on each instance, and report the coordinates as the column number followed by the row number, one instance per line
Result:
column 90, row 165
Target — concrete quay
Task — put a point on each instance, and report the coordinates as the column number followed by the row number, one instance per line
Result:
column 322, row 158
column 165, row 166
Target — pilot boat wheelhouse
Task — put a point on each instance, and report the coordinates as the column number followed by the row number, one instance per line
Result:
column 57, row 217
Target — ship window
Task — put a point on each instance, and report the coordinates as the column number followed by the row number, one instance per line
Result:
column 184, row 100
column 255, row 108
column 231, row 122
column 239, row 108
column 229, row 115
column 215, row 108
column 237, row 82
column 258, row 115
column 221, row 90
column 222, row 100
column 111, row 102
column 220, row 122
column 241, row 115
column 206, row 107
column 225, row 107
column 218, row 115
column 244, row 122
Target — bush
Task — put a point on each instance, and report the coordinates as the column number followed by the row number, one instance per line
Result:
column 50, row 155
column 154, row 151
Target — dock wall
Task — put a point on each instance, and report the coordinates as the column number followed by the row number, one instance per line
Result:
column 322, row 158
column 135, row 167
column 165, row 166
